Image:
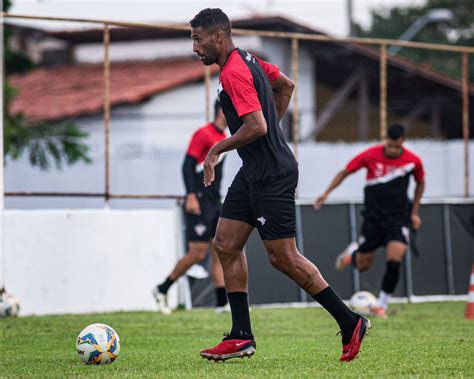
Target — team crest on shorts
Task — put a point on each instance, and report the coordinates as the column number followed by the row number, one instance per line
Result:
column 406, row 234
column 200, row 229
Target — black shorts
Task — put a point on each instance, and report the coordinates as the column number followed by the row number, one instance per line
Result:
column 200, row 228
column 269, row 205
column 378, row 232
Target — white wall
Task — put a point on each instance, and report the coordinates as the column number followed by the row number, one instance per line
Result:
column 147, row 160
column 69, row 261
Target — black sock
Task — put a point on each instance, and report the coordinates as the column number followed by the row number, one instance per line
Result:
column 390, row 278
column 346, row 319
column 239, row 305
column 221, row 296
column 165, row 286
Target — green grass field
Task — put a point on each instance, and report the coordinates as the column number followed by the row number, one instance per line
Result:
column 418, row 340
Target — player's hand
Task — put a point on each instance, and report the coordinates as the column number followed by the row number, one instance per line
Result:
column 415, row 221
column 318, row 203
column 209, row 164
column 192, row 205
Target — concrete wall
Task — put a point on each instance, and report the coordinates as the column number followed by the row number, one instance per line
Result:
column 145, row 166
column 88, row 261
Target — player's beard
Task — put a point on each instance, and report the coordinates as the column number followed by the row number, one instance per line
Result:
column 210, row 57
column 208, row 61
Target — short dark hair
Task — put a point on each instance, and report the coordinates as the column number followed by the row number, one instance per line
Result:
column 396, row 131
column 212, row 18
column 217, row 108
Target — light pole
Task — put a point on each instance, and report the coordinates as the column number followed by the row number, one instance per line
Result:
column 350, row 18
column 434, row 15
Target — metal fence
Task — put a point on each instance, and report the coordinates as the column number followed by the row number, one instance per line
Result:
column 444, row 244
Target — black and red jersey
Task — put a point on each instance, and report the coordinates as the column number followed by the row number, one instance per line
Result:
column 387, row 179
column 245, row 87
column 201, row 142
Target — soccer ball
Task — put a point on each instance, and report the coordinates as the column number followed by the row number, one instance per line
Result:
column 98, row 344
column 9, row 305
column 362, row 302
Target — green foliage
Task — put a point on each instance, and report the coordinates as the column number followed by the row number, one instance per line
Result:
column 44, row 143
column 6, row 5
column 391, row 23
column 418, row 340
column 15, row 62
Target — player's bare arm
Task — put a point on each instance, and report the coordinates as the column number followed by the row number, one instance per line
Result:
column 338, row 179
column 283, row 88
column 254, row 127
column 415, row 218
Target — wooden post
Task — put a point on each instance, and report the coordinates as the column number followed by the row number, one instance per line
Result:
column 207, row 83
column 383, row 91
column 465, row 119
column 107, row 111
column 295, row 68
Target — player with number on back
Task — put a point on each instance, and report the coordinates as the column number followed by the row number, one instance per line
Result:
column 387, row 213
column 254, row 95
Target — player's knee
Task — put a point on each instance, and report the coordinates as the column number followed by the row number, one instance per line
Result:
column 363, row 267
column 363, row 264
column 223, row 246
column 275, row 262
column 396, row 256
column 282, row 261
column 198, row 255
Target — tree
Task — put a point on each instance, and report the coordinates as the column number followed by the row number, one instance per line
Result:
column 44, row 143
column 391, row 23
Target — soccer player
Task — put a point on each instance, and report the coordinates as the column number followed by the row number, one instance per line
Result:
column 254, row 95
column 387, row 213
column 202, row 208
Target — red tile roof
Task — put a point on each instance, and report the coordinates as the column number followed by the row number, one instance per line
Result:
column 56, row 93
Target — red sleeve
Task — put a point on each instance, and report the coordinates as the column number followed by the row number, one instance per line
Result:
column 238, row 84
column 419, row 171
column 357, row 162
column 197, row 145
column 272, row 71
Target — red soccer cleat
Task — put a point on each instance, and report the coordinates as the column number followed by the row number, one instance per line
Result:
column 230, row 348
column 350, row 351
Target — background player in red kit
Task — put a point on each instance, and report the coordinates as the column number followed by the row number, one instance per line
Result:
column 254, row 95
column 387, row 213
column 202, row 208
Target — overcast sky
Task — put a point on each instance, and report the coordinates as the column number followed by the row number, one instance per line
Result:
column 326, row 15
